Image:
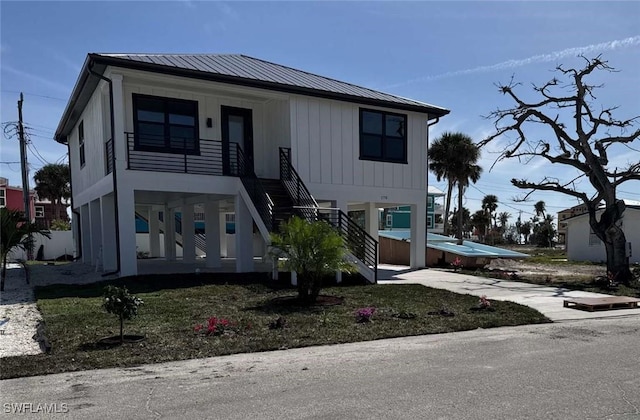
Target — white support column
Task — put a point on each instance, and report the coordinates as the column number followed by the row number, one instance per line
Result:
column 188, row 234
column 169, row 234
column 85, row 232
column 127, row 232
column 223, row 235
column 371, row 219
column 109, row 252
column 342, row 205
column 418, row 233
column 212, row 231
column 96, row 233
column 154, row 233
column 244, row 237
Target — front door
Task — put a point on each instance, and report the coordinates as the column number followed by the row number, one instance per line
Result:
column 237, row 128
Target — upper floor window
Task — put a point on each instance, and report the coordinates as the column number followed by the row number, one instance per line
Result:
column 429, row 202
column 39, row 211
column 383, row 136
column 81, row 143
column 165, row 124
column 3, row 201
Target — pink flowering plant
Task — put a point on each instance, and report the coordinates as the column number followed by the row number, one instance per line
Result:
column 457, row 264
column 219, row 326
column 484, row 303
column 364, row 314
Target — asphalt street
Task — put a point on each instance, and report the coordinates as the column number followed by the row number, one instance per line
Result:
column 588, row 369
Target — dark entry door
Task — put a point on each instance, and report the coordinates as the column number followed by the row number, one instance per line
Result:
column 237, row 128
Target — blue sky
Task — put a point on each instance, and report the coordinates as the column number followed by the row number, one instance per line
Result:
column 446, row 53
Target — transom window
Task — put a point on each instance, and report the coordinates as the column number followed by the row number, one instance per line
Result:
column 383, row 136
column 165, row 124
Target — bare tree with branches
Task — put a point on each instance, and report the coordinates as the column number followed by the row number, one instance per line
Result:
column 585, row 148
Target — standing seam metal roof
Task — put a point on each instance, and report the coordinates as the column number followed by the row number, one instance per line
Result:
column 245, row 67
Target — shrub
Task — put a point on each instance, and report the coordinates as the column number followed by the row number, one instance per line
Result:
column 118, row 301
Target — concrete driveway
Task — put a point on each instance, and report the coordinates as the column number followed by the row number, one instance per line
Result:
column 546, row 299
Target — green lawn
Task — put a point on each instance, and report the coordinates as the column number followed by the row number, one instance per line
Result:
column 75, row 320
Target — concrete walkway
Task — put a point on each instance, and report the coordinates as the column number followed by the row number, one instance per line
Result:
column 546, row 299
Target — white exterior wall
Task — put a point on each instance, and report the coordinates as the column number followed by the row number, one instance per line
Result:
column 95, row 118
column 578, row 232
column 325, row 142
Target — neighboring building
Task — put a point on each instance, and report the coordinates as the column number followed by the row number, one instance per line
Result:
column 11, row 197
column 238, row 135
column 583, row 245
column 400, row 217
column 44, row 212
column 566, row 214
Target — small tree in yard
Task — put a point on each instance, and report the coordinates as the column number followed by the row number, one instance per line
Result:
column 16, row 233
column 119, row 302
column 312, row 250
column 595, row 136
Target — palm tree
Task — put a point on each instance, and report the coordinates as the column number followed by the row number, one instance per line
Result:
column 312, row 250
column 540, row 208
column 53, row 182
column 504, row 218
column 480, row 219
column 462, row 168
column 440, row 155
column 490, row 204
column 16, row 232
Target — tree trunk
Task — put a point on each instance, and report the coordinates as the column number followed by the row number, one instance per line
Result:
column 121, row 330
column 447, row 207
column 4, row 272
column 460, row 212
column 617, row 260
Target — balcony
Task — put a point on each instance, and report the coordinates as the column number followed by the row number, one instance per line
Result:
column 181, row 155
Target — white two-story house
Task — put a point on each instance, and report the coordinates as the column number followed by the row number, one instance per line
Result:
column 156, row 135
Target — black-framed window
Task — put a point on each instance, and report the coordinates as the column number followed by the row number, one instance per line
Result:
column 383, row 136
column 165, row 124
column 81, row 143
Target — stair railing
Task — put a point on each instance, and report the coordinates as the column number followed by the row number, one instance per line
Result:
column 362, row 245
column 259, row 197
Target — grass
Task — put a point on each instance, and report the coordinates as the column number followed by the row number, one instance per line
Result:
column 75, row 320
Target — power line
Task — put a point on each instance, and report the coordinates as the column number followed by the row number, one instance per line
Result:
column 35, row 94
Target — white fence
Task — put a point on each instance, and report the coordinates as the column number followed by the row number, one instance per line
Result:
column 60, row 244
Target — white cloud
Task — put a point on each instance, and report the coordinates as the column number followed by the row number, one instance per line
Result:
column 540, row 58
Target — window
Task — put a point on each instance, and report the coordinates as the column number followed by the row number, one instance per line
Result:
column 383, row 136
column 429, row 202
column 39, row 211
column 165, row 124
column 389, row 221
column 3, row 202
column 81, row 142
column 430, row 222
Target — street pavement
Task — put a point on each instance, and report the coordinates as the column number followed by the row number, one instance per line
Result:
column 546, row 299
column 585, row 369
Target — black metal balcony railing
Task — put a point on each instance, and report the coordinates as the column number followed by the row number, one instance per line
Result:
column 109, row 156
column 255, row 189
column 181, row 155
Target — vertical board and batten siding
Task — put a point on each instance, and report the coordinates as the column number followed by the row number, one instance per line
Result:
column 278, row 134
column 325, row 138
column 95, row 137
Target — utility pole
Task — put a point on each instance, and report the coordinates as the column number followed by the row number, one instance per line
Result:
column 23, row 162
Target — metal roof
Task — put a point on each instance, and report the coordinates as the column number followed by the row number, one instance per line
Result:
column 240, row 70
